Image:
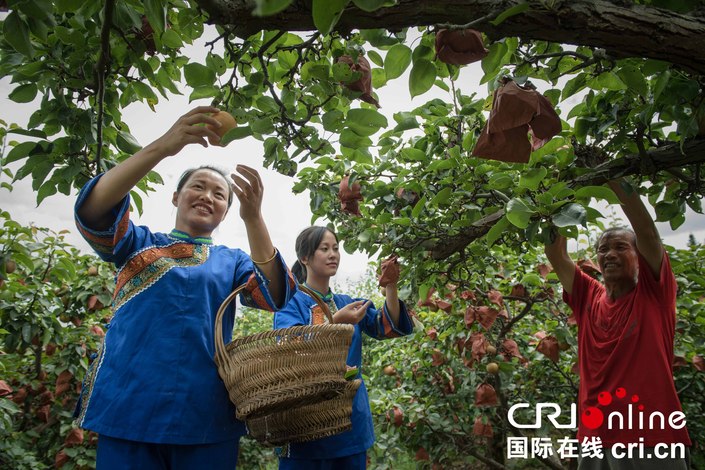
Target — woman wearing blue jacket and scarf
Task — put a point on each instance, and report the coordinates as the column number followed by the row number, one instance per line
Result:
column 153, row 393
column 318, row 260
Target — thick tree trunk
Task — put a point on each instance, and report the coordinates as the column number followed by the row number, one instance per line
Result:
column 621, row 28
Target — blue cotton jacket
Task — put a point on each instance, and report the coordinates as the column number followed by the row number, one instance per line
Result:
column 154, row 378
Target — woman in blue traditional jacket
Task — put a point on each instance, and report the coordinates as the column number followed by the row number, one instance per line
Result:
column 318, row 260
column 153, row 393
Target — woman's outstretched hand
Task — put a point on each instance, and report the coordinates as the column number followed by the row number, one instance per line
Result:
column 352, row 313
column 249, row 191
column 189, row 129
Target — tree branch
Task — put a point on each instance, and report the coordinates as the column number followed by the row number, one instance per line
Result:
column 624, row 29
column 101, row 71
column 661, row 159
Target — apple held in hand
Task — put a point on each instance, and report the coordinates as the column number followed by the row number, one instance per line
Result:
column 227, row 123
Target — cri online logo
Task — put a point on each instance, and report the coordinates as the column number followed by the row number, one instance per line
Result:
column 593, row 417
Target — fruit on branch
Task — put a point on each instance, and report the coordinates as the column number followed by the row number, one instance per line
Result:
column 364, row 83
column 10, row 266
column 349, row 196
column 459, row 47
column 516, row 112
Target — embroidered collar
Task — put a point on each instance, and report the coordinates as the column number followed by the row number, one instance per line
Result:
column 186, row 237
column 325, row 297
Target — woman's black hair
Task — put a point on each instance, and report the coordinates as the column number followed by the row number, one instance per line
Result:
column 187, row 174
column 306, row 245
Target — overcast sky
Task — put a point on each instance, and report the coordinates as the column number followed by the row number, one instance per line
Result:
column 286, row 214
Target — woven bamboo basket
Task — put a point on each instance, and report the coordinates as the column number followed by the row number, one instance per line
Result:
column 285, row 368
column 308, row 422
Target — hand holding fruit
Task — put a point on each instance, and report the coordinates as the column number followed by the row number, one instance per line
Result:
column 390, row 271
column 227, row 123
column 193, row 127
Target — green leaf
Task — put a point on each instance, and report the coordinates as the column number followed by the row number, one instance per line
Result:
column 634, row 79
column 332, row 120
column 608, row 81
column 28, row 132
column 597, row 192
column 518, row 213
column 19, row 152
column 235, row 134
column 531, row 279
column 262, row 126
column 197, row 75
column 574, row 85
column 677, row 221
column 372, row 5
column 553, row 95
column 201, row 92
column 442, row 196
column 127, row 143
column 405, row 121
column 39, row 10
column 353, row 140
column 492, row 61
column 326, row 14
column 570, row 215
column 155, row 10
column 418, row 207
column 515, row 10
column 666, row 210
column 532, row 178
column 422, row 77
column 497, row 230
column 171, row 39
column 47, row 189
column 661, row 83
column 16, row 33
column 351, row 374
column 396, row 61
column 270, row 7
column 312, row 70
column 413, row 154
column 375, row 58
column 365, row 122
column 24, row 93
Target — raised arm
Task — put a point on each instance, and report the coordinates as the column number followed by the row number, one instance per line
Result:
column 249, row 190
column 648, row 241
column 119, row 180
column 557, row 253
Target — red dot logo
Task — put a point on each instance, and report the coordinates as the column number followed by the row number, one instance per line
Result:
column 635, row 398
column 641, row 407
column 621, row 392
column 592, row 417
column 604, row 398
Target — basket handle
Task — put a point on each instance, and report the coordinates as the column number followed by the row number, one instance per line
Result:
column 220, row 352
column 319, row 301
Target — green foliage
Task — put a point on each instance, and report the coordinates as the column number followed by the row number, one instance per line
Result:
column 435, row 374
column 52, row 317
column 454, row 219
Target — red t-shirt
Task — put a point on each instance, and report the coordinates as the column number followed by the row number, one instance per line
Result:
column 628, row 344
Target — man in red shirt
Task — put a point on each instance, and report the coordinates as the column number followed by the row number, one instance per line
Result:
column 627, row 400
